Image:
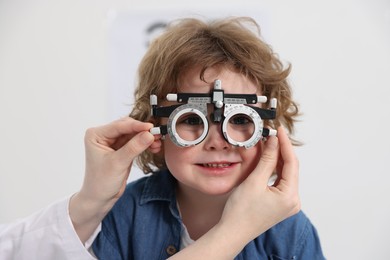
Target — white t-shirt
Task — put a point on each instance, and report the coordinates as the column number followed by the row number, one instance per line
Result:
column 186, row 240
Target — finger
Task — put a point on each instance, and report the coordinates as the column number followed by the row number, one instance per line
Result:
column 139, row 143
column 268, row 159
column 289, row 160
column 124, row 126
column 122, row 140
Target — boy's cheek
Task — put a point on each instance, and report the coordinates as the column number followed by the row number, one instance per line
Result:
column 255, row 154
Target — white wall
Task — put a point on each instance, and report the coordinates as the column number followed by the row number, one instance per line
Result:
column 54, row 83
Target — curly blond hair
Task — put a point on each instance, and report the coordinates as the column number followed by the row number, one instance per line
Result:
column 187, row 43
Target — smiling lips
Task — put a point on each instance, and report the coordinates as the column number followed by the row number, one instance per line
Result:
column 216, row 164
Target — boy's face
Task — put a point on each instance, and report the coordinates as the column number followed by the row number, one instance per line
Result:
column 213, row 166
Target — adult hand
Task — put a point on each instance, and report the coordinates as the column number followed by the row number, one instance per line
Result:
column 110, row 151
column 254, row 206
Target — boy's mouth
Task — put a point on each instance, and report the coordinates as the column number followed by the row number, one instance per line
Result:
column 216, row 165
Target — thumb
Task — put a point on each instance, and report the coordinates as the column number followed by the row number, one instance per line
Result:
column 269, row 159
column 136, row 145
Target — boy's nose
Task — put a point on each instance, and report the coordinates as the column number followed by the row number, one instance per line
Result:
column 214, row 139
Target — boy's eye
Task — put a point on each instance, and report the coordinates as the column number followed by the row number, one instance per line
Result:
column 240, row 120
column 192, row 120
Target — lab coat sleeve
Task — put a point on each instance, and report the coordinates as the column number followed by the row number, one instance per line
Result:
column 47, row 234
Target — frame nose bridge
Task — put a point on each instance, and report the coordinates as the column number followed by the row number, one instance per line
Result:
column 215, row 138
column 214, row 115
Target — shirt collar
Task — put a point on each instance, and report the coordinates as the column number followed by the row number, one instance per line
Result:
column 160, row 186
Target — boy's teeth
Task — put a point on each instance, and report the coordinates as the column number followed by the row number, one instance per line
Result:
column 216, row 165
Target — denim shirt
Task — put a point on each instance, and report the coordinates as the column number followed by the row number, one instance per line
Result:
column 145, row 224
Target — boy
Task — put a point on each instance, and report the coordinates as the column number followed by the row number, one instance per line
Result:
column 208, row 195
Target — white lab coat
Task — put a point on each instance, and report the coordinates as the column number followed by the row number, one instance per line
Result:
column 45, row 235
